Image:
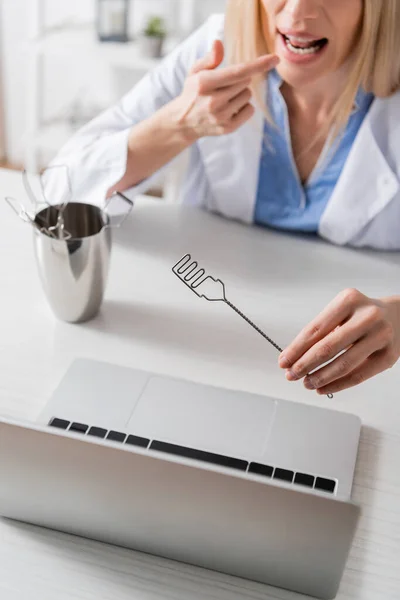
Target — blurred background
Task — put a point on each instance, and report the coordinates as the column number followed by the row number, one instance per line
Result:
column 64, row 61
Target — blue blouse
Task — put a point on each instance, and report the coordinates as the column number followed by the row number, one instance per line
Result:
column 282, row 200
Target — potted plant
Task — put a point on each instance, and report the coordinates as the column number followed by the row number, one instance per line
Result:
column 153, row 37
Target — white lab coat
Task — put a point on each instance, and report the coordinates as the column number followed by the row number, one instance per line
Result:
column 364, row 209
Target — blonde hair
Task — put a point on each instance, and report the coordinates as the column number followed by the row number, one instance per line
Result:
column 376, row 64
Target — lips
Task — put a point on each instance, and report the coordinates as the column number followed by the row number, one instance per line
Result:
column 300, row 49
column 303, row 40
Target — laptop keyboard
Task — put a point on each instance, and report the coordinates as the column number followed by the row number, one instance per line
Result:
column 299, row 479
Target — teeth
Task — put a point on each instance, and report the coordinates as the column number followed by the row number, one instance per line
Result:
column 301, row 40
column 295, row 50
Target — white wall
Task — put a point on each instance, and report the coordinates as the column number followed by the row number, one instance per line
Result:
column 66, row 79
column 14, row 35
column 2, row 138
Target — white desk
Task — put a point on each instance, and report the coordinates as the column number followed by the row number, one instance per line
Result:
column 152, row 321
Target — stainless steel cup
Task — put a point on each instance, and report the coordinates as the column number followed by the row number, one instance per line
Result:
column 74, row 270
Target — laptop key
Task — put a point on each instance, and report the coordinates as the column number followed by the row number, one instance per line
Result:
column 136, row 440
column 325, row 485
column 59, row 423
column 202, row 455
column 259, row 469
column 284, row 475
column 98, row 432
column 116, row 436
column 79, row 427
column 304, row 479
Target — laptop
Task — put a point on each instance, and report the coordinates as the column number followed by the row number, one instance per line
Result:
column 235, row 482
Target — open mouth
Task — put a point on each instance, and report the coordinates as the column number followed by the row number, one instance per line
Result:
column 300, row 46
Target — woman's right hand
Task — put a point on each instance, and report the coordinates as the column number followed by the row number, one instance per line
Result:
column 213, row 102
column 217, row 101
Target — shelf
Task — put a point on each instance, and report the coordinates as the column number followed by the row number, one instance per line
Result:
column 70, row 43
column 84, row 40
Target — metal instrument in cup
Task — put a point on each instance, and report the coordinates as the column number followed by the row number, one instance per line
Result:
column 74, row 270
column 37, row 198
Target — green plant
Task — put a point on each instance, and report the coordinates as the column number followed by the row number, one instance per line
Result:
column 155, row 27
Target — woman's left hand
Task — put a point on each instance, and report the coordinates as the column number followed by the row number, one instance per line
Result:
column 364, row 331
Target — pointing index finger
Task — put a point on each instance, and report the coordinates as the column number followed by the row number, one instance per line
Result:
column 236, row 73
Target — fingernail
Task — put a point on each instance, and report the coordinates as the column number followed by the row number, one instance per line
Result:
column 291, row 376
column 283, row 362
column 309, row 384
